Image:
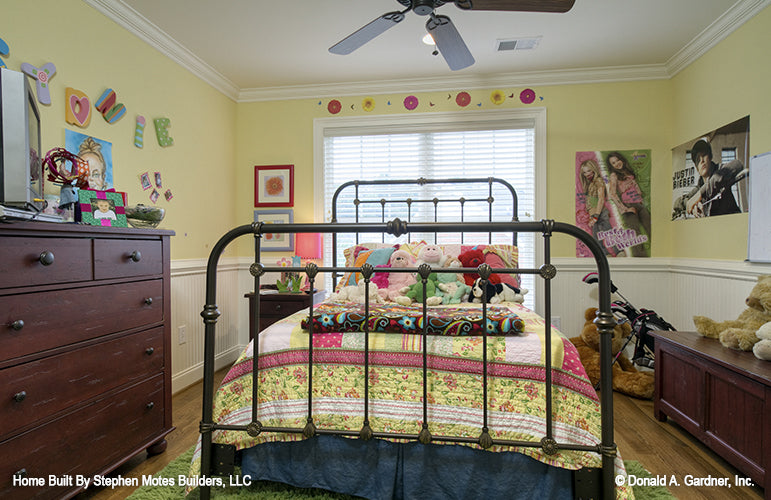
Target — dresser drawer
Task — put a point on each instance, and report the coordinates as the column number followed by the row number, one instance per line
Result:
column 56, row 318
column 38, row 261
column 127, row 258
column 85, row 441
column 34, row 391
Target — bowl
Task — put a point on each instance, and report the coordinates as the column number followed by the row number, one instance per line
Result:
column 144, row 216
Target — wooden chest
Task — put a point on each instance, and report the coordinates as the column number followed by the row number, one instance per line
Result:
column 85, row 353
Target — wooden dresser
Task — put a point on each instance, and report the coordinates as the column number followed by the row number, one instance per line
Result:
column 721, row 396
column 85, row 353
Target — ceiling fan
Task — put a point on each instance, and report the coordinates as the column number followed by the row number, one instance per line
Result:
column 448, row 41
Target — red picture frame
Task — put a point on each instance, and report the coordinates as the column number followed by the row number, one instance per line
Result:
column 274, row 186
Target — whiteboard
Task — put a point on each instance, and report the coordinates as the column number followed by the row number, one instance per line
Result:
column 759, row 237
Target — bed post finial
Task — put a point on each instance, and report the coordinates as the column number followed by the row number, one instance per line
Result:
column 397, row 227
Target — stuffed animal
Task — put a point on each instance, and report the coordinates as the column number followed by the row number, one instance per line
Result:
column 740, row 333
column 496, row 292
column 762, row 349
column 474, row 257
column 454, row 291
column 626, row 379
column 414, row 293
column 355, row 293
column 431, row 255
column 398, row 281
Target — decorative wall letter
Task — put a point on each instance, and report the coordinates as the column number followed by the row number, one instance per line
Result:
column 4, row 50
column 161, row 130
column 42, row 75
column 139, row 132
column 106, row 105
column 77, row 109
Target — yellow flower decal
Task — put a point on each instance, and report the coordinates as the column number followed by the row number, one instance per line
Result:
column 368, row 104
column 497, row 97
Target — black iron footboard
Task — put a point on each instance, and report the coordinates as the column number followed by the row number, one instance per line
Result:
column 605, row 322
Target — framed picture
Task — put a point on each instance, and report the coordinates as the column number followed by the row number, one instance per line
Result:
column 275, row 242
column 102, row 208
column 274, row 186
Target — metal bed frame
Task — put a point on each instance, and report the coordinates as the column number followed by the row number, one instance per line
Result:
column 218, row 459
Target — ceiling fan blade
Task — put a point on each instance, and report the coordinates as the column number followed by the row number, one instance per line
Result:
column 449, row 42
column 367, row 33
column 559, row 6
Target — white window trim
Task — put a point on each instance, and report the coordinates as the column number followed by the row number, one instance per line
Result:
column 402, row 122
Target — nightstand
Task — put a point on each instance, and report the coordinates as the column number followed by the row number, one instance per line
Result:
column 275, row 306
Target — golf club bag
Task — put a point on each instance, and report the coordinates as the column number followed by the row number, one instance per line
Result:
column 643, row 321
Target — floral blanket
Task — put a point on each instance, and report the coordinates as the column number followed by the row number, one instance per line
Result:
column 516, row 388
column 393, row 318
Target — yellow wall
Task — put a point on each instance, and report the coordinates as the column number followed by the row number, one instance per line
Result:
column 210, row 167
column 91, row 54
column 579, row 118
column 728, row 82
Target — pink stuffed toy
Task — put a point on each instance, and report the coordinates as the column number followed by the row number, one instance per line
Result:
column 431, row 255
column 397, row 281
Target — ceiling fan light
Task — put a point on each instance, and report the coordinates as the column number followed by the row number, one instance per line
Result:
column 428, row 39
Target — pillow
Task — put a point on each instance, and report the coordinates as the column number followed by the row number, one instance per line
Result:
column 359, row 255
column 496, row 255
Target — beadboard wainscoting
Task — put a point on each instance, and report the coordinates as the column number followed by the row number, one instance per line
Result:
column 676, row 289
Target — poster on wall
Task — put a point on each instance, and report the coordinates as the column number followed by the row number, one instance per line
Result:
column 97, row 153
column 613, row 192
column 710, row 175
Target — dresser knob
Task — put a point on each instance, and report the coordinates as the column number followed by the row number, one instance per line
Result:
column 21, row 473
column 149, row 301
column 149, row 351
column 150, row 405
column 20, row 396
column 46, row 258
column 136, row 256
column 17, row 325
column 278, row 307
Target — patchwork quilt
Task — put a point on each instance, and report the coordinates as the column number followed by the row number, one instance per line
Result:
column 516, row 386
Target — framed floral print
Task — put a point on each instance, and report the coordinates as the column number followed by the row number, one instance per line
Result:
column 276, row 242
column 274, row 186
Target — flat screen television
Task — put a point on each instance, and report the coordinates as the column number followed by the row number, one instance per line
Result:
column 21, row 166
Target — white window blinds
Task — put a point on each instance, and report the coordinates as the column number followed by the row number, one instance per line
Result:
column 503, row 149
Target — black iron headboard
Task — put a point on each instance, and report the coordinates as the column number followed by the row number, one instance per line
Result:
column 369, row 193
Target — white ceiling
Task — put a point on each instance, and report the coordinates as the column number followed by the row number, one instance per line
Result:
column 253, row 49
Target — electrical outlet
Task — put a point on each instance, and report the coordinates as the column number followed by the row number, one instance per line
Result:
column 182, row 332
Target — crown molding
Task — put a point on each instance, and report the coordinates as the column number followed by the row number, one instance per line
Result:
column 148, row 32
column 730, row 21
column 132, row 21
column 516, row 79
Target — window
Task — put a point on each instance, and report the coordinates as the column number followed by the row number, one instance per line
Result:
column 436, row 145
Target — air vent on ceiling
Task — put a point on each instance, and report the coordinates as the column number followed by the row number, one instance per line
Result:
column 517, row 44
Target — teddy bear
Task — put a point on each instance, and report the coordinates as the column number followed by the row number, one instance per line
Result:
column 474, row 257
column 355, row 293
column 626, row 378
column 397, row 281
column 431, row 255
column 762, row 348
column 740, row 333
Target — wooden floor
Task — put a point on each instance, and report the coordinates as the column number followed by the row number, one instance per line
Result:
column 662, row 448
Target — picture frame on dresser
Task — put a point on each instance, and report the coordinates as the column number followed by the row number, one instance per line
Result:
column 102, row 208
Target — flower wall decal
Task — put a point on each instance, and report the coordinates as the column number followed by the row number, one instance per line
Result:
column 368, row 104
column 410, row 102
column 527, row 96
column 497, row 97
